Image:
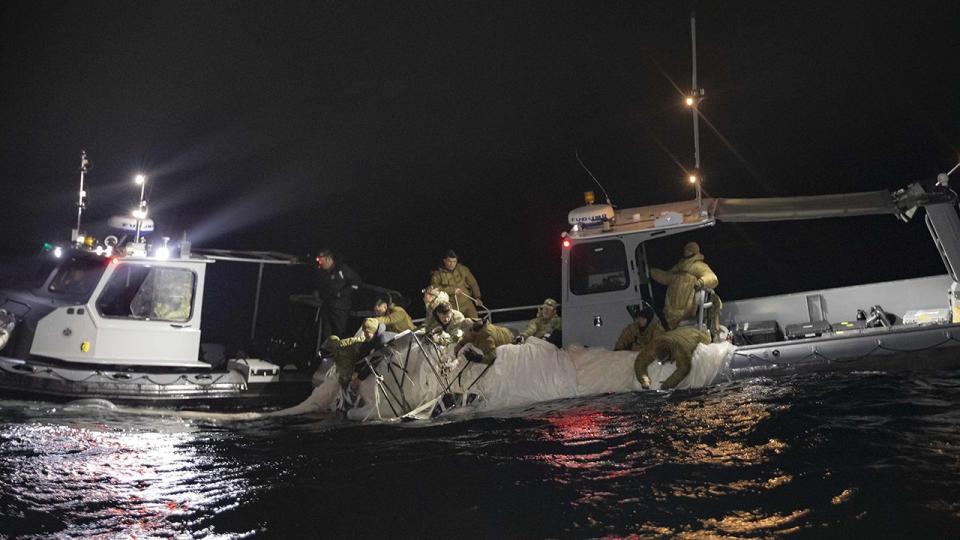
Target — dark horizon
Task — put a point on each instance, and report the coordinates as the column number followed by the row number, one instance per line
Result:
column 394, row 132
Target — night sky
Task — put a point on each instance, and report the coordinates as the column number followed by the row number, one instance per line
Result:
column 391, row 131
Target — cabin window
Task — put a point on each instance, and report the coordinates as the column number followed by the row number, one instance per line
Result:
column 149, row 293
column 598, row 267
column 643, row 277
column 77, row 276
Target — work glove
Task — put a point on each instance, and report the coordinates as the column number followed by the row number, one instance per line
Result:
column 473, row 355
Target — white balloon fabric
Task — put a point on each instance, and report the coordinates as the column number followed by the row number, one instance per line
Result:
column 532, row 372
column 415, row 377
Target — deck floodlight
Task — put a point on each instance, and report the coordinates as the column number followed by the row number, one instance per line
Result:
column 692, row 178
column 139, row 179
column 690, row 101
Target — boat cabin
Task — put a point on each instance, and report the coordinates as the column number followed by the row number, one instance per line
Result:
column 125, row 308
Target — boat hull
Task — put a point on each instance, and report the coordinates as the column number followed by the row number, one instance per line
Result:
column 223, row 389
column 897, row 348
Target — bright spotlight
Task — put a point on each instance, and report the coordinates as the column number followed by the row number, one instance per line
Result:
column 139, row 179
column 692, row 178
column 58, row 252
column 690, row 101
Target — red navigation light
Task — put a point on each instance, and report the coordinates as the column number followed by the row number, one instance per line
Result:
column 566, row 243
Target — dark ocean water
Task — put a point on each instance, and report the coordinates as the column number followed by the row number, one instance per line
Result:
column 852, row 455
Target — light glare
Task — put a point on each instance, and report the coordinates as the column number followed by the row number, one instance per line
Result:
column 139, row 179
column 690, row 101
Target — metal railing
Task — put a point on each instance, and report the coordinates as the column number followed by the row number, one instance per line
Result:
column 498, row 310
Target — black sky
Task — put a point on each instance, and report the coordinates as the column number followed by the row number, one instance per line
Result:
column 394, row 130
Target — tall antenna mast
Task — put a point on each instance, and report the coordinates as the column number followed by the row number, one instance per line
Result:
column 693, row 101
column 81, row 204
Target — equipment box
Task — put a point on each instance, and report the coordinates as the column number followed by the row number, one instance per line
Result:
column 848, row 328
column 807, row 330
column 756, row 332
column 927, row 316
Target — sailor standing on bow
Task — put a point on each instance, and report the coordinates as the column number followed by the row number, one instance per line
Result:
column 335, row 285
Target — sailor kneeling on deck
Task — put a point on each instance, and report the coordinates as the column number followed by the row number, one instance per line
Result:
column 546, row 326
column 676, row 346
column 644, row 328
column 446, row 325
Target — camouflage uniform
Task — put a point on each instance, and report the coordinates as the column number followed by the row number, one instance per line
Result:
column 346, row 354
column 682, row 282
column 396, row 320
column 540, row 327
column 461, row 278
column 453, row 330
column 487, row 339
column 675, row 346
column 634, row 338
column 440, row 298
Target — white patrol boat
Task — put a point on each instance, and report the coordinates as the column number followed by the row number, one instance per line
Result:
column 912, row 323
column 605, row 269
column 121, row 320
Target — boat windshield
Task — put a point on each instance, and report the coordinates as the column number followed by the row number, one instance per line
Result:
column 77, row 276
column 149, row 293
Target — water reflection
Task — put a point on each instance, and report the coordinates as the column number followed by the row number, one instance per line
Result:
column 869, row 455
column 86, row 478
column 687, row 450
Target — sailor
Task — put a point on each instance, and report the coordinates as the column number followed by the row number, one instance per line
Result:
column 644, row 328
column 394, row 317
column 432, row 297
column 675, row 346
column 337, row 282
column 545, row 324
column 485, row 337
column 688, row 276
column 446, row 325
column 458, row 282
column 347, row 352
column 172, row 295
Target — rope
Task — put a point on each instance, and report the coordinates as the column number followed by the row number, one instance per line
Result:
column 476, row 301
